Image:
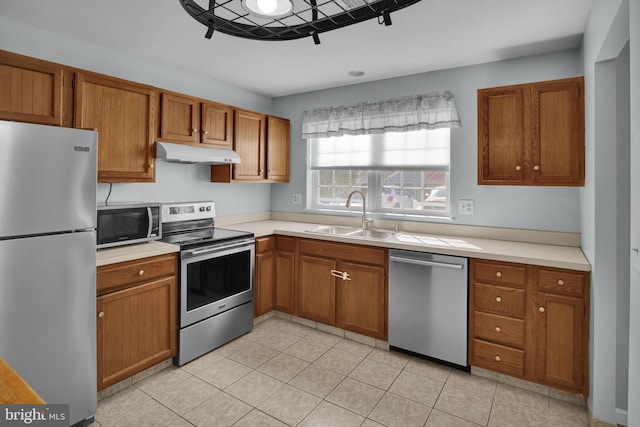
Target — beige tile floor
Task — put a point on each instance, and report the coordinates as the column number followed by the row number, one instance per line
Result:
column 287, row 374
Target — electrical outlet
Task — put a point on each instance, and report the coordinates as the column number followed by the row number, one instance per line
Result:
column 466, row 207
column 297, row 199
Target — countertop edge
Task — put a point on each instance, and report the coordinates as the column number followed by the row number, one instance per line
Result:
column 544, row 255
column 132, row 252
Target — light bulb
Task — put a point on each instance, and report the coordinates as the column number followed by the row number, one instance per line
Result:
column 267, row 6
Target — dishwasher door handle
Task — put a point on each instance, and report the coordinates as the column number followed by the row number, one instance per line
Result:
column 425, row 262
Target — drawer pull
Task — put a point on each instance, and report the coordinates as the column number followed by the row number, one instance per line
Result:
column 536, row 168
column 101, row 314
column 560, row 282
column 498, row 358
column 141, row 272
column 498, row 299
column 541, row 309
column 498, row 274
column 498, row 329
column 518, row 167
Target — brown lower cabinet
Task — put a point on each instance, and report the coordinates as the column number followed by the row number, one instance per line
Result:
column 343, row 285
column 274, row 275
column 338, row 284
column 530, row 322
column 137, row 316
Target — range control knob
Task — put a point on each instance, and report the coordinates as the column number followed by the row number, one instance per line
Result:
column 201, row 208
column 208, row 208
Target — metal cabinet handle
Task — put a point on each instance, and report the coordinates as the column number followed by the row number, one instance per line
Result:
column 518, row 167
column 101, row 314
column 541, row 309
column 205, row 132
column 498, row 358
column 536, row 168
column 498, row 299
column 498, row 329
column 194, row 130
column 340, row 274
column 498, row 274
column 560, row 282
column 141, row 272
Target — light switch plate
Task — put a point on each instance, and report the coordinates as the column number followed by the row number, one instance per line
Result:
column 297, row 199
column 466, row 207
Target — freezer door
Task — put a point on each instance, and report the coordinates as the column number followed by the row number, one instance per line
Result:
column 47, row 317
column 48, row 177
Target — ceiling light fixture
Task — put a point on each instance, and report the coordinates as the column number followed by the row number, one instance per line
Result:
column 287, row 19
column 268, row 9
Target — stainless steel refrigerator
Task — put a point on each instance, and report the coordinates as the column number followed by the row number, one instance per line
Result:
column 47, row 262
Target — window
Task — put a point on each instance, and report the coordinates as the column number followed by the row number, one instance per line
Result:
column 399, row 172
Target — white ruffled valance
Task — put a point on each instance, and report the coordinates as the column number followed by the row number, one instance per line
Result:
column 408, row 113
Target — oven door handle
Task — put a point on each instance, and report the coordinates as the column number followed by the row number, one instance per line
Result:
column 196, row 252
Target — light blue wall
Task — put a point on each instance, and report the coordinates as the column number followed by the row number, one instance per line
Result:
column 541, row 208
column 174, row 182
column 605, row 202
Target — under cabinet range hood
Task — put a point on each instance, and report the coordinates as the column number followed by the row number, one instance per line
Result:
column 183, row 153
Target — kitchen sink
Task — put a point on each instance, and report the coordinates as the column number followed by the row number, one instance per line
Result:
column 369, row 233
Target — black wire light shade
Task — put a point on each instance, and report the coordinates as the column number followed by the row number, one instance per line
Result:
column 307, row 19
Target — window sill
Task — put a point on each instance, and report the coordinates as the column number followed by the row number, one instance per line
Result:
column 389, row 216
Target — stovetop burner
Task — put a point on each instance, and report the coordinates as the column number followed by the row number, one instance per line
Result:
column 191, row 225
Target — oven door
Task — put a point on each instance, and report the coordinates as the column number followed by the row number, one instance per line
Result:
column 214, row 279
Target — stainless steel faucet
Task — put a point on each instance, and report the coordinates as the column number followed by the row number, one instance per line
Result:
column 365, row 223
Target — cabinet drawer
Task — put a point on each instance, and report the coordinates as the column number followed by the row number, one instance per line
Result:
column 498, row 358
column 124, row 274
column 561, row 281
column 265, row 244
column 344, row 251
column 505, row 330
column 287, row 244
column 500, row 274
column 500, row 300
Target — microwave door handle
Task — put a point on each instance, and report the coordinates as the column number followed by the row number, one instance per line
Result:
column 150, row 217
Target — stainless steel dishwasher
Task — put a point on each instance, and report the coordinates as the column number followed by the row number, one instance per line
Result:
column 428, row 296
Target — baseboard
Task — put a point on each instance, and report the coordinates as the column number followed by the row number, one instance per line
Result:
column 621, row 417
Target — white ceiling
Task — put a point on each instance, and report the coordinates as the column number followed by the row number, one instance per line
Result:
column 427, row 36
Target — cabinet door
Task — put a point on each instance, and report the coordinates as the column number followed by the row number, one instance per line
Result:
column 264, row 276
column 124, row 115
column 362, row 304
column 317, row 289
column 558, row 132
column 136, row 329
column 180, row 119
column 501, row 136
column 561, row 351
column 249, row 134
column 284, row 277
column 217, row 125
column 30, row 90
column 278, row 149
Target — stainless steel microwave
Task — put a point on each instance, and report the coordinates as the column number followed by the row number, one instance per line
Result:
column 126, row 223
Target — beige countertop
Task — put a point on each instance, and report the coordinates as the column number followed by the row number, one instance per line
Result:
column 131, row 252
column 500, row 250
column 547, row 255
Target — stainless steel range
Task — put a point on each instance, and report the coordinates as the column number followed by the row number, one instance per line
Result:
column 216, row 278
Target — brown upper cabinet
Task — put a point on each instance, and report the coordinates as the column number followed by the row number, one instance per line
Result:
column 124, row 115
column 532, row 134
column 263, row 145
column 189, row 120
column 32, row 90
